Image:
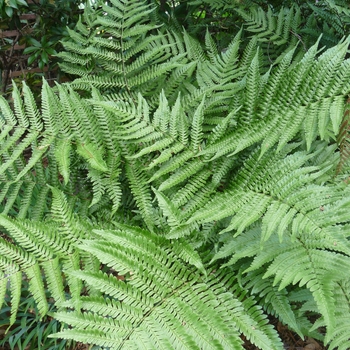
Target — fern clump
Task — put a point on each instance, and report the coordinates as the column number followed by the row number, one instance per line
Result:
column 174, row 195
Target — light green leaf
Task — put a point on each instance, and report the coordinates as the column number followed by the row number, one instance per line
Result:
column 93, row 155
column 62, row 153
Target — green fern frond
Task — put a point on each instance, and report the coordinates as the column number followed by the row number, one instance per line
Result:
column 124, row 47
column 3, row 289
column 29, row 237
column 340, row 336
column 236, row 138
column 169, row 210
column 54, row 280
column 18, row 107
column 162, row 302
column 62, row 153
column 196, row 127
column 16, row 254
column 330, row 18
column 179, row 176
column 7, row 116
column 343, row 138
column 286, row 271
column 98, row 188
column 39, row 207
column 41, row 257
column 141, row 191
column 281, row 122
column 15, row 280
column 320, row 283
column 31, row 108
column 275, row 300
column 93, row 155
column 276, row 28
column 288, row 198
column 61, row 213
column 192, row 187
column 36, row 287
column 90, row 336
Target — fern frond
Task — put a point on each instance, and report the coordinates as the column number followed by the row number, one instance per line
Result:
column 7, row 116
column 344, row 138
column 29, row 237
column 124, row 47
column 340, row 336
column 196, row 127
column 169, row 209
column 275, row 300
column 15, row 280
column 236, row 138
column 54, row 280
column 330, row 18
column 18, row 107
column 182, row 174
column 90, row 336
column 320, row 283
column 3, row 289
column 141, row 191
column 93, row 155
column 192, row 187
column 31, row 108
column 276, row 28
column 62, row 214
column 284, row 117
column 316, row 270
column 62, row 153
column 36, row 287
column 16, row 254
column 293, row 192
column 173, row 300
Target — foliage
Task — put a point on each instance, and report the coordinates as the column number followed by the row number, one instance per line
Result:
column 28, row 331
column 275, row 23
column 38, row 26
column 175, row 194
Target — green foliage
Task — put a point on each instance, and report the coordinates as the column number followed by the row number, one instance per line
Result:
column 38, row 27
column 28, row 331
column 118, row 48
column 176, row 194
column 276, row 24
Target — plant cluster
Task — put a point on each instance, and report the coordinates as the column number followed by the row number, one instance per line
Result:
column 38, row 26
column 30, row 331
column 178, row 191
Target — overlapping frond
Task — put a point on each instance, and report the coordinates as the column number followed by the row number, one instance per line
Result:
column 293, row 262
column 274, row 28
column 124, row 44
column 23, row 150
column 344, row 138
column 159, row 299
column 292, row 109
column 43, row 251
column 262, row 192
column 192, row 186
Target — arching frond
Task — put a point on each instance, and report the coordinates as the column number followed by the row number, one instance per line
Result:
column 191, row 189
column 121, row 42
column 162, row 313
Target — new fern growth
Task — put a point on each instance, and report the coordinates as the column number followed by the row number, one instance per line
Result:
column 189, row 192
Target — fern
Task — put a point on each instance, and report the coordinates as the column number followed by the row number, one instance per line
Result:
column 128, row 48
column 343, row 139
column 164, row 308
column 179, row 191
